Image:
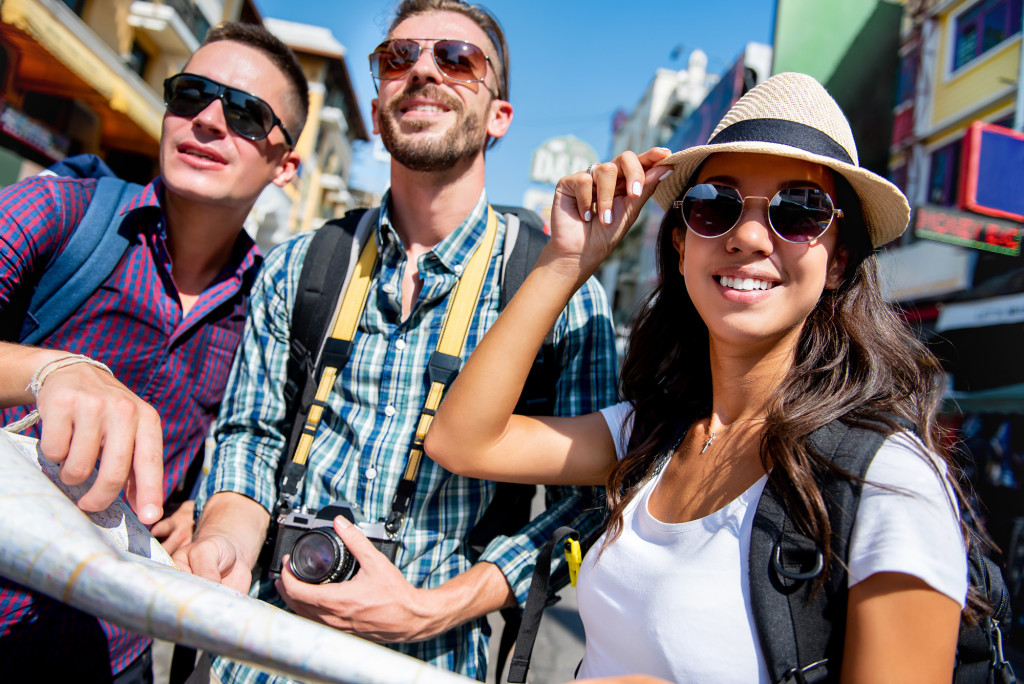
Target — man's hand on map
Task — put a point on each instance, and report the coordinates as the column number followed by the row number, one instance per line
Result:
column 379, row 604
column 227, row 541
column 88, row 416
column 215, row 557
column 175, row 530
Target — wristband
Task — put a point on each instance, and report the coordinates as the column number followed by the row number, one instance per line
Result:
column 39, row 377
column 55, row 364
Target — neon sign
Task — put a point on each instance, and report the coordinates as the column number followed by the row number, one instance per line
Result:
column 967, row 230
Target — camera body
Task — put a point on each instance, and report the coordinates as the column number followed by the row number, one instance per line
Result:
column 318, row 556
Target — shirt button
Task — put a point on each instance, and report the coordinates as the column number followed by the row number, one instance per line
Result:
column 399, row 344
column 371, row 473
column 389, row 410
column 457, row 268
column 389, row 289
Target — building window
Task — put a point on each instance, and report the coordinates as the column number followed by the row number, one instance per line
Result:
column 138, row 59
column 944, row 176
column 898, row 176
column 907, row 84
column 984, row 26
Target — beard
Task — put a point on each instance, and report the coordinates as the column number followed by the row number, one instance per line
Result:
column 463, row 139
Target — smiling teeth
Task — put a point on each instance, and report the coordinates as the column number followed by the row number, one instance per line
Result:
column 425, row 108
column 200, row 155
column 744, row 283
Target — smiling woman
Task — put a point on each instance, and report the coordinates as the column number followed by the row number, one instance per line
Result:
column 766, row 336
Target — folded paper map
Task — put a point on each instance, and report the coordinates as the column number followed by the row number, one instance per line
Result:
column 107, row 564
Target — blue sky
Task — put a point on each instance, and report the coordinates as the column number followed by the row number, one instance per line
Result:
column 573, row 63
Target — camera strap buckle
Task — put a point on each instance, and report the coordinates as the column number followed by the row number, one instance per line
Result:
column 393, row 522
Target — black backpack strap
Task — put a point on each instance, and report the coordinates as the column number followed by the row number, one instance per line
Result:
column 980, row 658
column 794, row 620
column 536, row 601
column 323, row 276
column 527, row 229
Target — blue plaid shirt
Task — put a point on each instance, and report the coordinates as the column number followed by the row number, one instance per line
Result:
column 362, row 445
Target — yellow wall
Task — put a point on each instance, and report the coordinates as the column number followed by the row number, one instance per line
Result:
column 109, row 20
column 313, row 66
column 959, row 94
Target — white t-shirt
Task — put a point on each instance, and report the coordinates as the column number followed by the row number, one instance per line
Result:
column 673, row 600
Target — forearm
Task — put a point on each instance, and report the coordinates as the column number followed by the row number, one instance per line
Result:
column 489, row 385
column 480, row 590
column 17, row 364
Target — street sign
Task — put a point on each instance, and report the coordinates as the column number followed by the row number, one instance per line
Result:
column 559, row 157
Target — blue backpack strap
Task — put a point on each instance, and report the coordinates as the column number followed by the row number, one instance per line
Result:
column 90, row 256
column 80, row 166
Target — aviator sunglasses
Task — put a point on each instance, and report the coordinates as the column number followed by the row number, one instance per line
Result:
column 794, row 214
column 247, row 115
column 456, row 59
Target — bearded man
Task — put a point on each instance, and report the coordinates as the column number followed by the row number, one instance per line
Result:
column 442, row 100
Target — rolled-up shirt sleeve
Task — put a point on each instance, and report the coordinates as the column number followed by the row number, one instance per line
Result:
column 250, row 434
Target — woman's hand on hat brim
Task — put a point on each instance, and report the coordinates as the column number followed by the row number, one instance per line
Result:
column 594, row 209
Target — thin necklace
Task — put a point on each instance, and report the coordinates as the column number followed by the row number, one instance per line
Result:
column 712, row 434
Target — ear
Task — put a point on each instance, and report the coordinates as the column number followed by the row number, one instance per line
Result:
column 286, row 170
column 837, row 268
column 678, row 241
column 499, row 118
column 374, row 104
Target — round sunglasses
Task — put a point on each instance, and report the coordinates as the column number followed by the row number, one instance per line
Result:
column 456, row 59
column 247, row 115
column 798, row 215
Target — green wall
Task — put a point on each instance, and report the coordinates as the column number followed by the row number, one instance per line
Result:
column 851, row 47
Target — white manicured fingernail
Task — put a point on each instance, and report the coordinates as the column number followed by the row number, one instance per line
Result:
column 587, row 216
column 607, row 215
column 666, row 175
column 637, row 188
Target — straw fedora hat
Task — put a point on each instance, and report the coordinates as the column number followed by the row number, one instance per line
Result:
column 792, row 115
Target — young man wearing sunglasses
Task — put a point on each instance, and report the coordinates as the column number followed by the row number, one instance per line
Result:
column 133, row 377
column 442, row 96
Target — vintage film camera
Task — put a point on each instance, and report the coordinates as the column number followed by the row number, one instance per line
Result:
column 318, row 555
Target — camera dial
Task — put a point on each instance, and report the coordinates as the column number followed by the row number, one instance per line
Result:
column 319, row 557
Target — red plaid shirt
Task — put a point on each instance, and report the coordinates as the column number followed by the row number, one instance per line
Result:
column 134, row 324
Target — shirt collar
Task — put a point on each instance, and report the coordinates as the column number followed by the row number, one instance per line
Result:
column 149, row 197
column 455, row 250
column 246, row 256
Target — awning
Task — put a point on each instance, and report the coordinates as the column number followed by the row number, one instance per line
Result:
column 1006, row 399
column 57, row 54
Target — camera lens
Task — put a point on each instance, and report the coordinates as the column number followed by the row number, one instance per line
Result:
column 319, row 557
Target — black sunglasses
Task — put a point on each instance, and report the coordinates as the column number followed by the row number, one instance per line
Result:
column 794, row 214
column 247, row 115
column 456, row 59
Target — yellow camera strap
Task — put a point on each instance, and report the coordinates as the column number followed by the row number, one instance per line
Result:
column 443, row 366
column 344, row 330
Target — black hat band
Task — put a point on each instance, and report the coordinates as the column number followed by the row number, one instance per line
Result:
column 783, row 132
